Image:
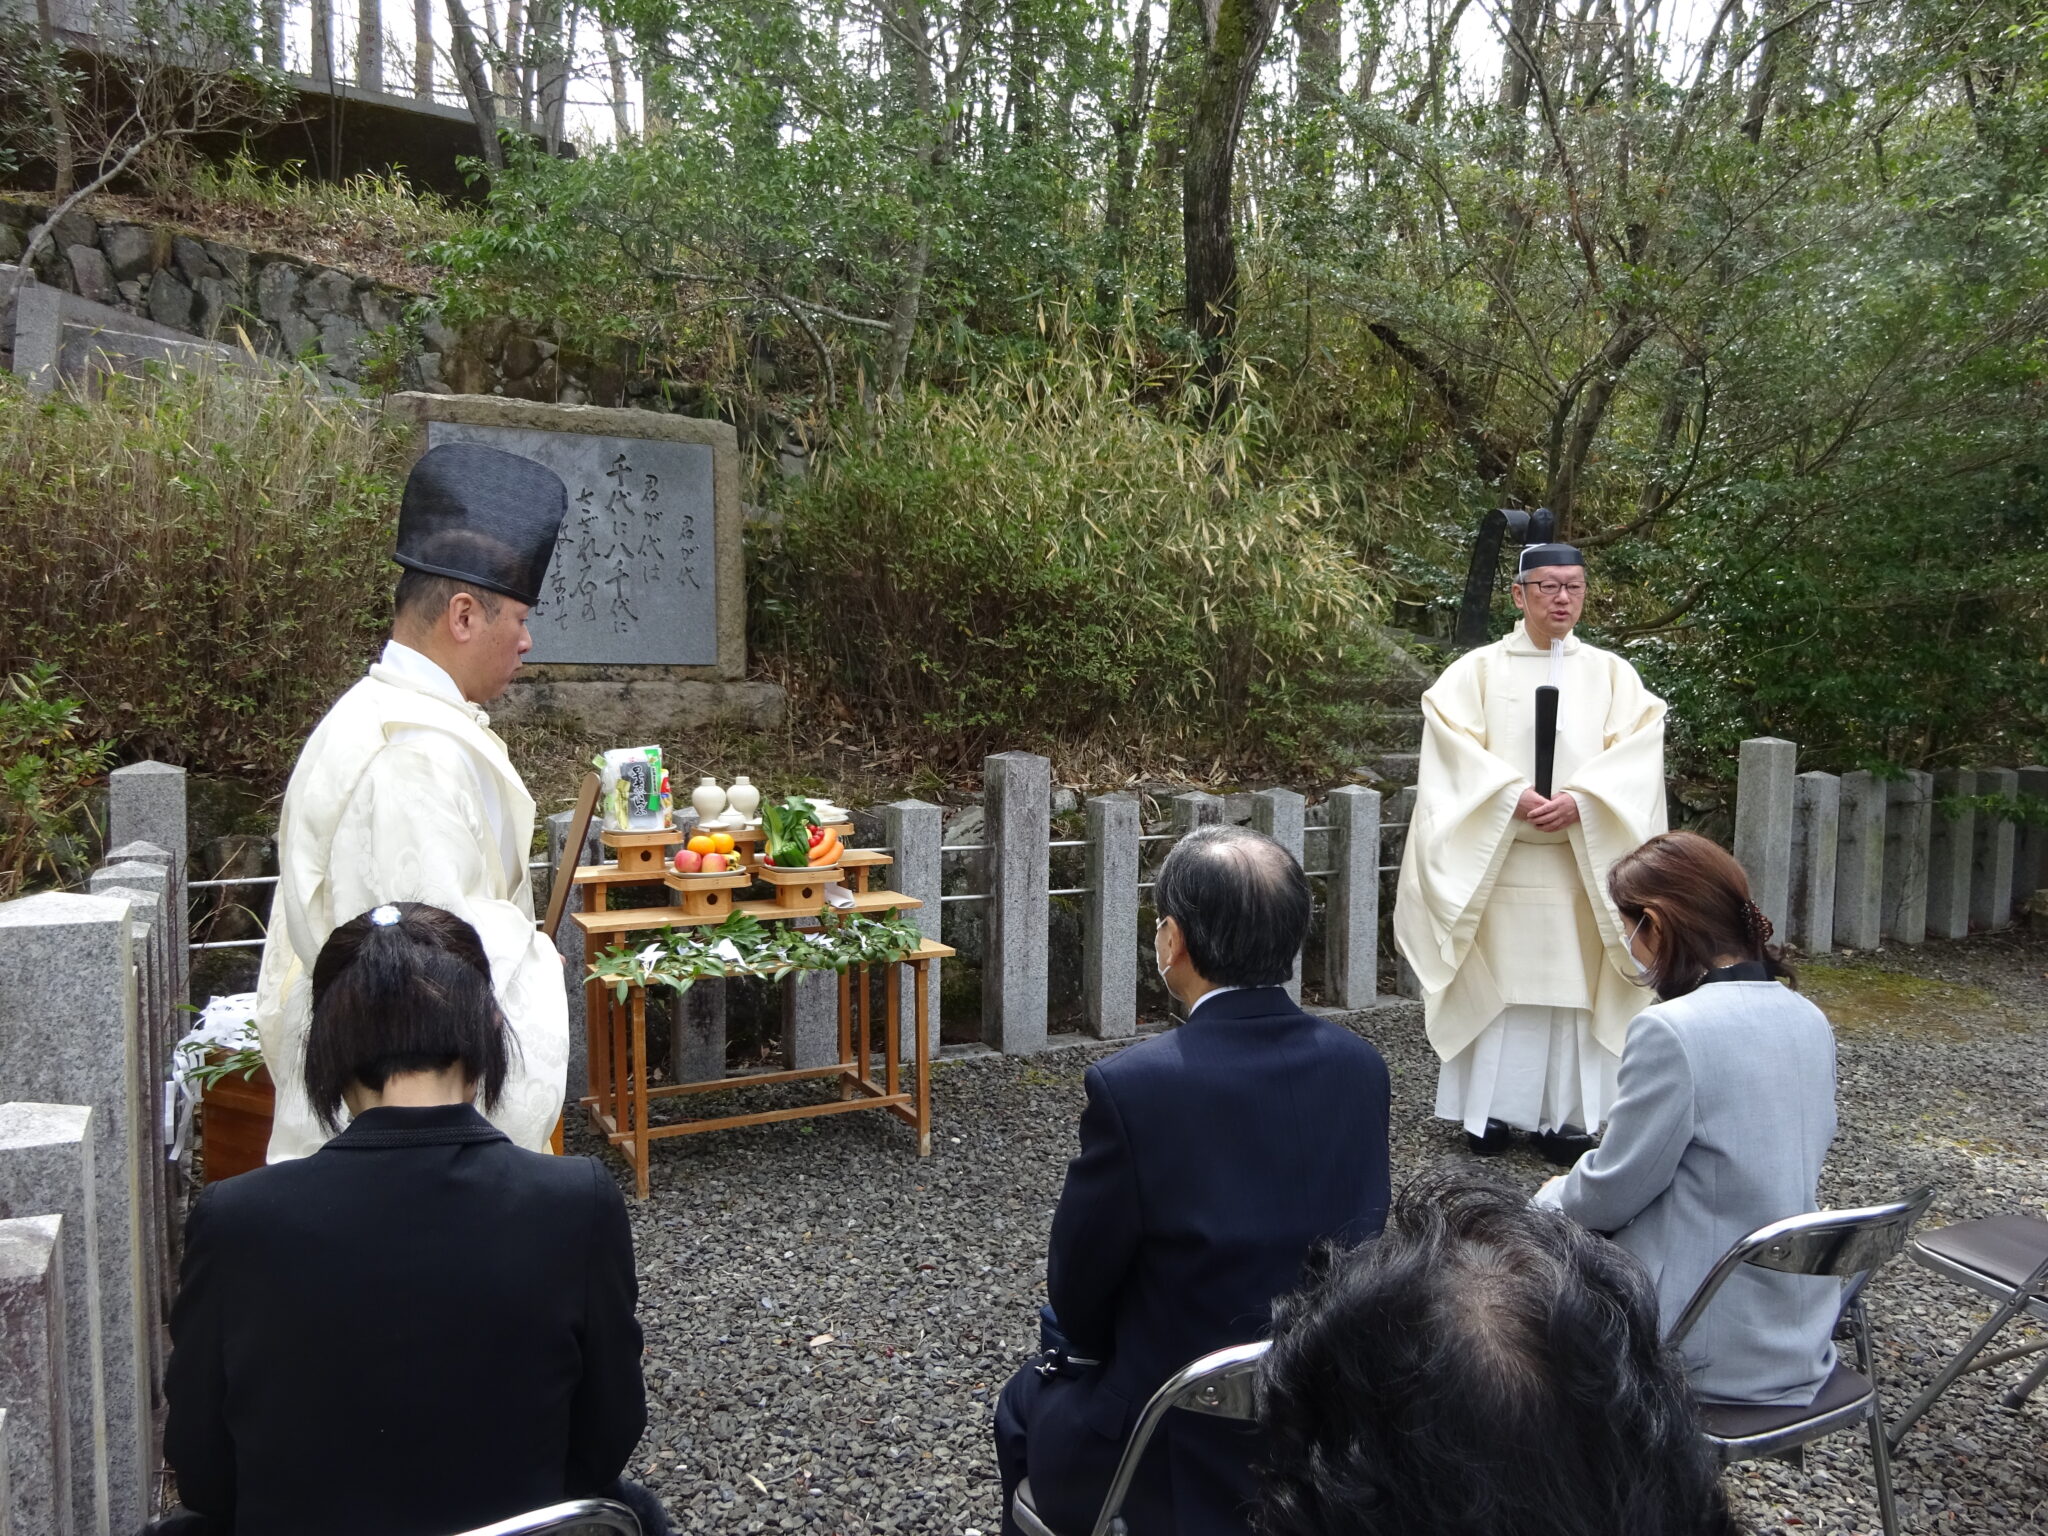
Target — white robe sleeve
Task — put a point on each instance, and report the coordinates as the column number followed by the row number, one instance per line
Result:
column 414, row 831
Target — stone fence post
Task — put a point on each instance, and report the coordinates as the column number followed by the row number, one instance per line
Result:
column 1351, row 900
column 1763, row 823
column 1951, row 849
column 46, row 1169
column 1196, row 809
column 32, row 1375
column 1283, row 816
column 146, row 803
column 914, row 830
column 69, row 1035
column 1859, row 862
column 1109, row 925
column 1816, row 841
column 7, row 1526
column 1017, row 804
column 1991, row 856
column 2030, row 851
column 1908, row 806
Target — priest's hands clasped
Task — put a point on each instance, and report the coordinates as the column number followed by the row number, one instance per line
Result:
column 1551, row 815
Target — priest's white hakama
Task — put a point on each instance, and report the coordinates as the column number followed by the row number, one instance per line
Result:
column 1524, row 965
column 403, row 793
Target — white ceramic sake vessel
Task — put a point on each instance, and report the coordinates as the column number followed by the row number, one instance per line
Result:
column 709, row 800
column 744, row 797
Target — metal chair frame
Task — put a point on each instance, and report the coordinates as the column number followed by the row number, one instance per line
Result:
column 1220, row 1383
column 1850, row 1246
column 601, row 1514
column 2025, row 1299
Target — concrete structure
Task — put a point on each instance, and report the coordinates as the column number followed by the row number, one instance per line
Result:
column 1282, row 815
column 1763, row 823
column 810, row 1019
column 71, row 959
column 1991, row 858
column 1859, row 861
column 1816, row 802
column 62, row 338
column 913, row 830
column 1017, row 801
column 32, row 1374
column 1951, row 851
column 2030, row 848
column 1908, row 809
column 46, row 1169
column 1110, row 942
column 1352, row 899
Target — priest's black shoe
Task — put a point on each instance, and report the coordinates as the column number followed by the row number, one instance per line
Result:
column 1493, row 1143
column 1563, row 1148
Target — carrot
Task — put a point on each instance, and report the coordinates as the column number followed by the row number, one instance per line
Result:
column 828, row 851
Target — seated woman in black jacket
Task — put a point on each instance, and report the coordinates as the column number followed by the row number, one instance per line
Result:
column 420, row 1328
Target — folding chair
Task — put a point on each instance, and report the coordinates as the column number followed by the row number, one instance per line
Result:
column 1850, row 1246
column 1219, row 1384
column 2005, row 1258
column 578, row 1515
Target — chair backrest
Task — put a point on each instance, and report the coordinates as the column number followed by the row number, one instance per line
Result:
column 575, row 1514
column 1219, row 1384
column 1848, row 1245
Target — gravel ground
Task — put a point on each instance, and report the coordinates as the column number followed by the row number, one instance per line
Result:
column 829, row 1318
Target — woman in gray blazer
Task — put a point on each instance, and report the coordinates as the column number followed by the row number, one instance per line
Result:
column 1725, row 1111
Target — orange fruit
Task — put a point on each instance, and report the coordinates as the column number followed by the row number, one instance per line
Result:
column 721, row 842
column 702, row 843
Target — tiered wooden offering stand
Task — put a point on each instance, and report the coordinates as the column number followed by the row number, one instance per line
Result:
column 620, row 1095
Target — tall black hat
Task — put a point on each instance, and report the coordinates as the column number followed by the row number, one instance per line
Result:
column 481, row 516
column 1535, row 556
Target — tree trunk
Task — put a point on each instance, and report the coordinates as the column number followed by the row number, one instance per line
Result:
column 423, row 49
column 1772, row 19
column 1318, row 66
column 622, row 106
column 1127, row 128
column 907, row 49
column 1233, row 41
column 473, row 75
column 370, row 46
column 61, row 155
column 514, row 68
column 1023, row 71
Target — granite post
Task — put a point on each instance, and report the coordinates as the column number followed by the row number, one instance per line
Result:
column 914, row 831
column 569, row 940
column 32, row 1373
column 1282, row 815
column 1991, row 857
column 46, row 1169
column 2030, row 850
column 1859, row 862
column 1816, row 806
column 1351, row 905
column 1908, row 803
column 1763, row 822
column 69, row 960
column 1017, row 804
column 1951, row 849
column 1196, row 809
column 146, row 804
column 6, row 1498
column 1109, row 943
column 1393, row 846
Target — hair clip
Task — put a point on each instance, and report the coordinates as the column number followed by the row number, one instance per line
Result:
column 385, row 916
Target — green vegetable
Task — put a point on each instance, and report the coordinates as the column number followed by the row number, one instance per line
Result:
column 788, row 826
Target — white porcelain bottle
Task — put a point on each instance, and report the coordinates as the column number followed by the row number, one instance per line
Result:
column 744, row 797
column 709, row 800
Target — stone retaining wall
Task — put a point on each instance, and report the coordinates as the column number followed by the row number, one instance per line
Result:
column 367, row 334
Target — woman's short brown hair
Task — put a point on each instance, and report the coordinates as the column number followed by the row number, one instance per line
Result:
column 1704, row 911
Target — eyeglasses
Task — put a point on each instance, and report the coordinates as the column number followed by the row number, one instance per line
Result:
column 1552, row 588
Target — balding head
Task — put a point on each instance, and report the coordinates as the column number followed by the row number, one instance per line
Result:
column 1242, row 903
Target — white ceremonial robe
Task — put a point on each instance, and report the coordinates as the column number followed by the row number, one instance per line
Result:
column 403, row 793
column 1528, row 986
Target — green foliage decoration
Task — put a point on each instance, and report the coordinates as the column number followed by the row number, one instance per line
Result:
column 743, row 945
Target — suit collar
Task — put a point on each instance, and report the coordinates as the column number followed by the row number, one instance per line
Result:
column 1245, row 1003
column 390, row 1126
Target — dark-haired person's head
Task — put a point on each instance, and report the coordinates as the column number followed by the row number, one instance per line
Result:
column 1483, row 1367
column 1233, row 911
column 402, row 990
column 1687, row 906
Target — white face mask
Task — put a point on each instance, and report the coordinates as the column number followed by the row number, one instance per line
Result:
column 1158, row 964
column 1642, row 970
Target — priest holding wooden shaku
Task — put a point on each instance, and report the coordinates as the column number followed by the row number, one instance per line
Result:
column 1542, row 764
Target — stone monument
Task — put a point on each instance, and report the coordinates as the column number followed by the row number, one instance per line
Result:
column 642, row 620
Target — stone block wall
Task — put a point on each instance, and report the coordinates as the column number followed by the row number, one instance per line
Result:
column 367, row 334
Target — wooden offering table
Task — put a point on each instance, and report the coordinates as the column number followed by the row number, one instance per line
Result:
column 620, row 1094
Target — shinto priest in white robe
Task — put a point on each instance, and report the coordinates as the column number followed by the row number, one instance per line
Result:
column 1526, row 978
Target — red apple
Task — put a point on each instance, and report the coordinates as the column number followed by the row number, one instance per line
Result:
column 714, row 863
column 688, row 863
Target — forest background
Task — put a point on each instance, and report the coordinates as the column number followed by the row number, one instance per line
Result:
column 1151, row 360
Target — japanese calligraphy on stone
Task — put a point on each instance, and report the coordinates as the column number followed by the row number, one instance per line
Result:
column 633, row 577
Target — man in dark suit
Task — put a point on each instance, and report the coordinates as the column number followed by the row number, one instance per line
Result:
column 1212, row 1159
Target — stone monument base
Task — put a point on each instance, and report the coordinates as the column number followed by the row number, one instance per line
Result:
column 613, row 711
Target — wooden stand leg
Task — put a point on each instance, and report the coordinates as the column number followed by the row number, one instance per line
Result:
column 867, row 1058
column 593, row 1024
column 849, row 1077
column 615, row 1029
column 922, row 1054
column 638, row 1090
column 892, row 1028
